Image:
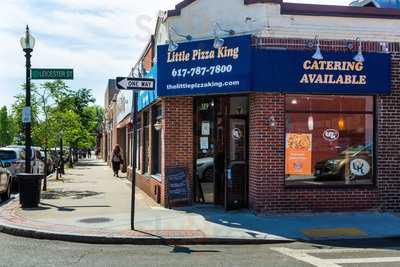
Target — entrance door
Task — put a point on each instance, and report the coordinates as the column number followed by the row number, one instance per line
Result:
column 236, row 154
column 221, row 151
column 204, row 184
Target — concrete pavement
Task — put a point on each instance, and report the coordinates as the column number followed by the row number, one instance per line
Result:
column 90, row 205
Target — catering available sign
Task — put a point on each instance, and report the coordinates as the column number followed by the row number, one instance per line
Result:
column 200, row 68
column 293, row 71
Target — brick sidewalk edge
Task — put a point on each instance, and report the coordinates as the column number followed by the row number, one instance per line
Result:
column 11, row 223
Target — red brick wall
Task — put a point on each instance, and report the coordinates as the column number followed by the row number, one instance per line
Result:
column 267, row 192
column 388, row 159
column 177, row 137
column 148, row 59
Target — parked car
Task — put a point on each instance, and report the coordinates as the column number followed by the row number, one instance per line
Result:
column 334, row 169
column 5, row 182
column 13, row 158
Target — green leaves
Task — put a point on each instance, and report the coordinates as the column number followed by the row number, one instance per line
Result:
column 59, row 109
column 7, row 127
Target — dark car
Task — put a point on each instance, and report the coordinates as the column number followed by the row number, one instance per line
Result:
column 5, row 183
column 334, row 169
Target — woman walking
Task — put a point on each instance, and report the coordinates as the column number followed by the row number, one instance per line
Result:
column 116, row 160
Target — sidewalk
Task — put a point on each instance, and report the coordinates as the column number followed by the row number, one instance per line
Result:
column 90, row 205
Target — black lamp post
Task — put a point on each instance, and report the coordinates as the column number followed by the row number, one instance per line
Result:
column 28, row 43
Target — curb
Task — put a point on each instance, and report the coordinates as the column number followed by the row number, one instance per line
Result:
column 119, row 240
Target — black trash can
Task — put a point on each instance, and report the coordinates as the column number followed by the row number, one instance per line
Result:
column 29, row 189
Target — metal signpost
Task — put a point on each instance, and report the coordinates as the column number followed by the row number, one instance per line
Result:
column 52, row 74
column 134, row 84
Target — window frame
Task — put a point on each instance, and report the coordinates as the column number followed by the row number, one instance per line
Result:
column 139, row 142
column 146, row 143
column 372, row 185
column 154, row 118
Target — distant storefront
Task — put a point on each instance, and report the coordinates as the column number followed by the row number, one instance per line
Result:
column 274, row 124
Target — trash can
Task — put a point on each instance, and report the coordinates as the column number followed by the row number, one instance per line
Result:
column 29, row 189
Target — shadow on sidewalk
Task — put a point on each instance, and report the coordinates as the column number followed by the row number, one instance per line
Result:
column 72, row 208
column 69, row 194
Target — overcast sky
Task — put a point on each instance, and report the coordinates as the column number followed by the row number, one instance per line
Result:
column 99, row 39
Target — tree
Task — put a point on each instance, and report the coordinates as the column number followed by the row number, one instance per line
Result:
column 7, row 129
column 17, row 107
column 56, row 109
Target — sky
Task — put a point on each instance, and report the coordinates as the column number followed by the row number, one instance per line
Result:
column 99, row 39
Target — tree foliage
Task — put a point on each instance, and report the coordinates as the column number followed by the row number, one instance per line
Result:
column 58, row 111
column 7, row 127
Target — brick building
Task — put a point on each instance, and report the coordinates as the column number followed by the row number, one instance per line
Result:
column 272, row 106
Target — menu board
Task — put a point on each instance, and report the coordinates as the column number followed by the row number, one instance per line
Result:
column 178, row 187
column 298, row 154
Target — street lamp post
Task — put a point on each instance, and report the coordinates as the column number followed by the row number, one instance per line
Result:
column 28, row 43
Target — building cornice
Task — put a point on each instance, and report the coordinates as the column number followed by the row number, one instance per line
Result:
column 312, row 10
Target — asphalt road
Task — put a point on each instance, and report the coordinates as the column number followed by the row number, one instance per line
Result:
column 16, row 251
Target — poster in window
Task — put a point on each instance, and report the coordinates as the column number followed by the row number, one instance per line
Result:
column 298, row 154
column 204, row 143
column 205, row 128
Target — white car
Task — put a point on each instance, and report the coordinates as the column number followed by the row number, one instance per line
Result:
column 13, row 158
column 5, row 183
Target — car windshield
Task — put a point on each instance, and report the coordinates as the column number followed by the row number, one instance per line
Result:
column 7, row 155
column 354, row 150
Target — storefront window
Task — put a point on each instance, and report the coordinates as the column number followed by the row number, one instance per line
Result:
column 146, row 141
column 156, row 139
column 138, row 142
column 329, row 140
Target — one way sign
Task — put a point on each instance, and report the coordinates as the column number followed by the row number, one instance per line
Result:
column 125, row 83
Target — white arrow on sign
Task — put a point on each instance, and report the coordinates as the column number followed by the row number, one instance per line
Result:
column 124, row 83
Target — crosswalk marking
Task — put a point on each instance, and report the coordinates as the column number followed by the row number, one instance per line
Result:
column 344, row 250
column 366, row 260
column 304, row 256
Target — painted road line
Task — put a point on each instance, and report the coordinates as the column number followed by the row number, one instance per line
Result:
column 366, row 260
column 304, row 257
column 333, row 232
column 345, row 250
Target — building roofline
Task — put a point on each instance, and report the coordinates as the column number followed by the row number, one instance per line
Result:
column 312, row 10
column 339, row 11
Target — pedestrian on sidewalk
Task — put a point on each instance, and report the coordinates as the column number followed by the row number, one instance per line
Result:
column 116, row 160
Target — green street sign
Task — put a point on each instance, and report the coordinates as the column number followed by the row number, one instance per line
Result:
column 52, row 74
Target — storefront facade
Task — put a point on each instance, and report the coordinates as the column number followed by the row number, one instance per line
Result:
column 273, row 120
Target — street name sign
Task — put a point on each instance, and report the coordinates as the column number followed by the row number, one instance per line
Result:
column 52, row 74
column 125, row 83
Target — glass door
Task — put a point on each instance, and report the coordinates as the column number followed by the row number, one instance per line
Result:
column 205, row 143
column 236, row 154
column 220, row 126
